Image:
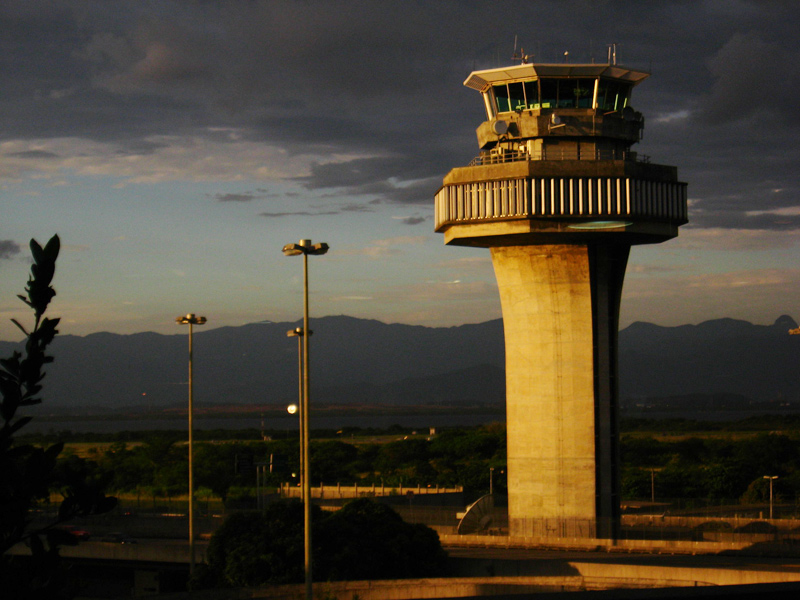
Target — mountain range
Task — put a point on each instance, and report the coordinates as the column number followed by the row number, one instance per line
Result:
column 361, row 361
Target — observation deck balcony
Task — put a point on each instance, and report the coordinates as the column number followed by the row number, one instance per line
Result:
column 547, row 199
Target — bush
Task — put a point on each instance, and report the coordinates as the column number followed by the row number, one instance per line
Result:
column 364, row 540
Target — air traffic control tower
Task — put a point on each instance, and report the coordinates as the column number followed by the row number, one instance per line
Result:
column 558, row 197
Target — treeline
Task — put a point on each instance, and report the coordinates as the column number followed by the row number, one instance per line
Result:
column 699, row 466
column 158, row 464
column 763, row 422
column 712, row 468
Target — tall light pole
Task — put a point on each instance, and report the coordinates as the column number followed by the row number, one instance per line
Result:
column 191, row 320
column 653, row 486
column 299, row 332
column 306, row 248
column 771, row 479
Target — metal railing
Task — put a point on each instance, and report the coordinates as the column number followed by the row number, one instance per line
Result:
column 500, row 156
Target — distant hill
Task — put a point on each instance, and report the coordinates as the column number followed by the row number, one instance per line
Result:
column 728, row 356
column 719, row 363
column 352, row 361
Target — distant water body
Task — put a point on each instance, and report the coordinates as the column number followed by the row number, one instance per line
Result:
column 110, row 425
column 45, row 424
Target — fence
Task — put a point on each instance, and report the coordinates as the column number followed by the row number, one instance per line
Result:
column 366, row 491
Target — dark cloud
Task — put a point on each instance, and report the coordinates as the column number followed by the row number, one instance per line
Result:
column 368, row 177
column 33, row 154
column 413, row 220
column 245, row 197
column 8, row 249
column 749, row 76
column 356, row 208
column 734, row 220
column 302, row 213
column 382, row 81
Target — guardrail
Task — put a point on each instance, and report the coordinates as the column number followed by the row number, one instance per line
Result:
column 499, row 156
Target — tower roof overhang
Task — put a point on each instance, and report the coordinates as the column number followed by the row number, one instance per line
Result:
column 482, row 80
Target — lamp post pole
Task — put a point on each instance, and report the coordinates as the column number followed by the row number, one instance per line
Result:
column 191, row 320
column 299, row 333
column 653, row 486
column 305, row 248
column 771, row 479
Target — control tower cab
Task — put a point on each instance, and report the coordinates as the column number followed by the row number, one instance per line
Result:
column 559, row 197
column 555, row 158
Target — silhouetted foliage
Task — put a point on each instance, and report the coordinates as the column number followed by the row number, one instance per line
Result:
column 364, row 540
column 250, row 549
column 368, row 540
column 28, row 473
column 712, row 468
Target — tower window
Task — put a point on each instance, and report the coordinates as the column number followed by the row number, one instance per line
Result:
column 549, row 92
column 501, row 96
column 612, row 95
column 516, row 96
column 532, row 93
column 564, row 92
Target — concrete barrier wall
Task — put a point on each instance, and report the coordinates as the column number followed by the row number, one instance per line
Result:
column 691, row 522
column 665, row 576
column 472, row 587
column 359, row 491
column 587, row 545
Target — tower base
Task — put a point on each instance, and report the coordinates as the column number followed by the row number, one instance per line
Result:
column 560, row 315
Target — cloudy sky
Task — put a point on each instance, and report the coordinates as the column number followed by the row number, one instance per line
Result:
column 177, row 146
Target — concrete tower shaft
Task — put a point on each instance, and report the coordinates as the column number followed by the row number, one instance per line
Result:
column 559, row 197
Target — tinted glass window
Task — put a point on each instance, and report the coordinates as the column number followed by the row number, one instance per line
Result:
column 517, row 96
column 581, row 91
column 612, row 95
column 549, row 92
column 501, row 95
column 532, row 94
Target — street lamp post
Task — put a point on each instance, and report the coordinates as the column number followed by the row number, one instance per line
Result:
column 306, row 248
column 653, row 486
column 771, row 479
column 191, row 320
column 299, row 332
column 491, row 480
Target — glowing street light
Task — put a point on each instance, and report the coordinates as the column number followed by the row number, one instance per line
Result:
column 306, row 248
column 191, row 320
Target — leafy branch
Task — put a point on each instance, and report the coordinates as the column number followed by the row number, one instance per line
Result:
column 28, row 473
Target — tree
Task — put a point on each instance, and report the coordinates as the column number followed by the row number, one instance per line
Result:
column 364, row 540
column 248, row 550
column 28, row 473
column 367, row 540
column 332, row 461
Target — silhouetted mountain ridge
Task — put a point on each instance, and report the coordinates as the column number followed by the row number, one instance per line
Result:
column 719, row 356
column 362, row 361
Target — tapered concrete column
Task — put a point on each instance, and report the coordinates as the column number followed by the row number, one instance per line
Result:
column 560, row 313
